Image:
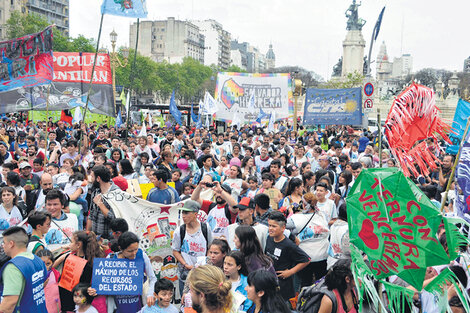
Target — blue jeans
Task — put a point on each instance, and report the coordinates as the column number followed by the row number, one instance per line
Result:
column 81, row 217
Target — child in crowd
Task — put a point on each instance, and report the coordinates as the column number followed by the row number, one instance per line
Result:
column 82, row 299
column 51, row 289
column 187, row 191
column 253, row 190
column 163, row 293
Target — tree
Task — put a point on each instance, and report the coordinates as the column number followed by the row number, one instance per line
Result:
column 350, row 81
column 308, row 78
column 235, row 69
column 20, row 24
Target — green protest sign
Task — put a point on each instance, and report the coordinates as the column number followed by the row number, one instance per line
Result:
column 395, row 225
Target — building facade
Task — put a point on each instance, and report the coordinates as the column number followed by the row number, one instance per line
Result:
column 171, row 40
column 6, row 8
column 55, row 11
column 402, row 66
column 270, row 58
column 216, row 44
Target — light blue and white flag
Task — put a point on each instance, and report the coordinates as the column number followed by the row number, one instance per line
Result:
column 126, row 8
column 77, row 116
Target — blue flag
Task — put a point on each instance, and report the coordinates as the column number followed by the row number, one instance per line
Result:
column 377, row 25
column 261, row 115
column 119, row 119
column 127, row 8
column 462, row 112
column 199, row 121
column 193, row 116
column 174, row 109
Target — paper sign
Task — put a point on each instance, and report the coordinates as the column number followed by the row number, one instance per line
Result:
column 73, row 269
column 145, row 189
column 118, row 276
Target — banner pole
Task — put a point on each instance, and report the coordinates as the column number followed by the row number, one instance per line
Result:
column 47, row 104
column 379, row 133
column 454, row 167
column 131, row 81
column 91, row 79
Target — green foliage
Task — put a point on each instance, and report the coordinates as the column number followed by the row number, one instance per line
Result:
column 19, row 25
column 350, row 81
column 235, row 69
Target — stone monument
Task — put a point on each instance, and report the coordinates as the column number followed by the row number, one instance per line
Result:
column 354, row 44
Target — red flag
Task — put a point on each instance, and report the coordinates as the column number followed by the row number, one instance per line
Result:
column 66, row 116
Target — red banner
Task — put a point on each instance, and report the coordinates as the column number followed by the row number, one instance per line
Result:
column 74, row 67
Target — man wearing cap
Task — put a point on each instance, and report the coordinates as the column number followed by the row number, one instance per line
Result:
column 28, row 180
column 190, row 240
column 220, row 213
column 246, row 208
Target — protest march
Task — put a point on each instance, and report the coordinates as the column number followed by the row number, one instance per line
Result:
column 249, row 205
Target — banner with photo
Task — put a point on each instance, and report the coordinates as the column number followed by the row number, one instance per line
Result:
column 245, row 94
column 462, row 112
column 26, row 61
column 154, row 224
column 333, row 107
column 69, row 89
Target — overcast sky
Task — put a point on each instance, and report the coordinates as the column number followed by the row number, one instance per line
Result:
column 309, row 33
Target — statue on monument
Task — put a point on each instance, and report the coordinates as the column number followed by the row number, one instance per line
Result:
column 354, row 22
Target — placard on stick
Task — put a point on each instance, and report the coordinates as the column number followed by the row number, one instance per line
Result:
column 118, row 276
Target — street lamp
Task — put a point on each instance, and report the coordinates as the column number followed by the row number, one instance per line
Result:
column 297, row 83
column 116, row 61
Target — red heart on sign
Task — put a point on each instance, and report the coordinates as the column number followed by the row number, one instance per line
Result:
column 368, row 236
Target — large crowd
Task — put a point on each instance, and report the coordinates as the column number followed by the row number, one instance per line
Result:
column 277, row 220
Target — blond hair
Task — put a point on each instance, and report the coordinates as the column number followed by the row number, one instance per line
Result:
column 211, row 281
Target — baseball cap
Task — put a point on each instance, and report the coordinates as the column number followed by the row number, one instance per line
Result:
column 24, row 165
column 121, row 182
column 191, row 206
column 226, row 188
column 245, row 203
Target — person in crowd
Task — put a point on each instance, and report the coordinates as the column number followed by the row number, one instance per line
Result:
column 288, row 258
column 263, row 291
column 10, row 215
column 162, row 193
column 274, row 194
column 247, row 242
column 23, row 276
column 163, row 292
column 40, row 222
column 101, row 214
column 51, row 289
column 210, row 290
column 236, row 272
column 339, row 279
column 81, row 298
column 190, row 240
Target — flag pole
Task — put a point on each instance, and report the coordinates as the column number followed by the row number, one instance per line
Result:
column 91, row 79
column 454, row 167
column 131, row 80
column 379, row 134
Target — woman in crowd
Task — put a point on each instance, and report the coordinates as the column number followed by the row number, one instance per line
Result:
column 235, row 181
column 126, row 169
column 340, row 280
column 247, row 242
column 263, row 290
column 10, row 215
column 83, row 245
column 292, row 203
column 236, row 272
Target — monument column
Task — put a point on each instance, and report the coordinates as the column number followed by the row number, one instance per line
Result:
column 354, row 44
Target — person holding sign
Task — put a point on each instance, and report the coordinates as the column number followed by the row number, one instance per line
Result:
column 23, row 276
column 78, row 267
column 129, row 244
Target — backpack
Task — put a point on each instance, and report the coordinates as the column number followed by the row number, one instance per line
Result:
column 203, row 229
column 309, row 299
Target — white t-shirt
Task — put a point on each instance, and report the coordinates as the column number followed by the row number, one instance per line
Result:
column 40, row 202
column 194, row 245
column 339, row 241
column 218, row 222
column 56, row 238
column 314, row 237
column 236, row 185
column 9, row 219
column 260, row 229
column 91, row 309
column 328, row 208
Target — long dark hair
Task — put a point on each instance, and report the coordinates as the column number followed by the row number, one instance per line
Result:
column 250, row 245
column 90, row 245
column 126, row 167
column 271, row 301
column 111, row 155
column 239, row 260
column 293, row 183
column 335, row 277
